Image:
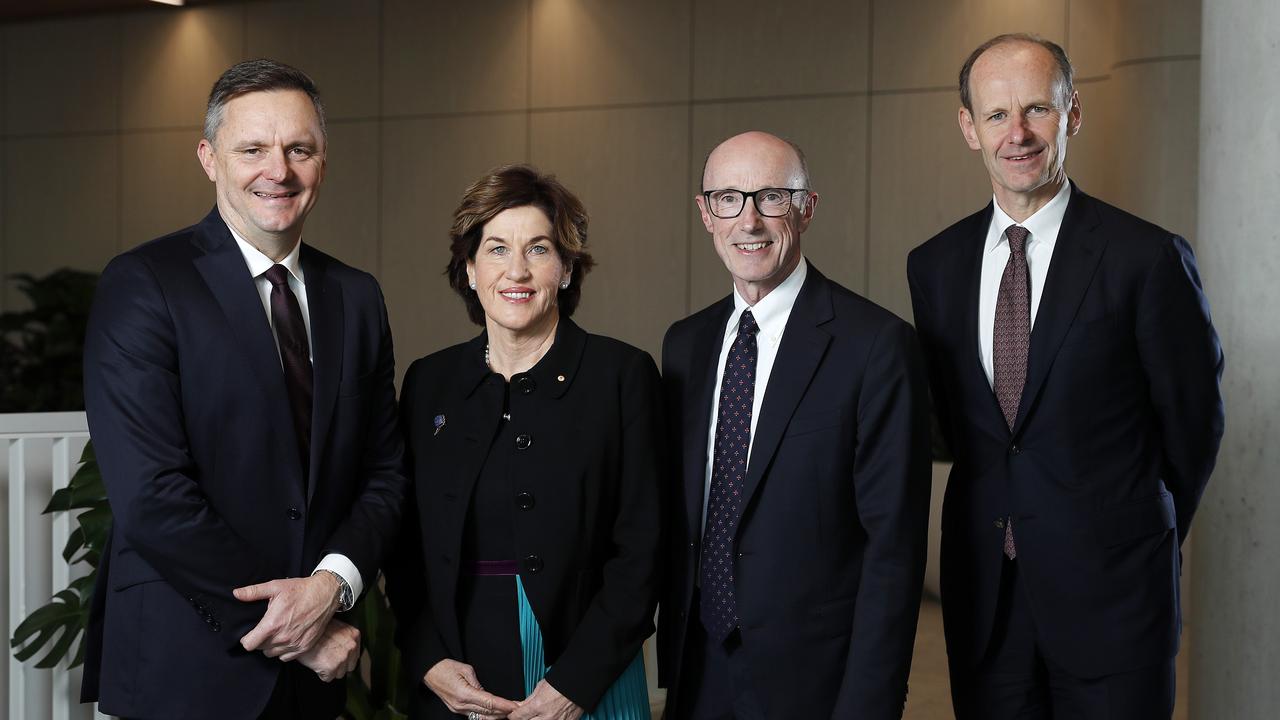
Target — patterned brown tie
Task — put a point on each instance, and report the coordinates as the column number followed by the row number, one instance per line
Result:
column 1011, row 340
column 295, row 355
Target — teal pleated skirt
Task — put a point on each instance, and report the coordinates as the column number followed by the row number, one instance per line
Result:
column 627, row 699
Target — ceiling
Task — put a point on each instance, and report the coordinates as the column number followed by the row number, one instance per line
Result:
column 17, row 10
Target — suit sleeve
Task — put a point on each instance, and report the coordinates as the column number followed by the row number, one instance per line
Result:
column 365, row 535
column 925, row 315
column 133, row 399
column 420, row 644
column 620, row 617
column 1183, row 362
column 891, row 483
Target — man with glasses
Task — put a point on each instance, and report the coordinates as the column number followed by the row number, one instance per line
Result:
column 799, row 502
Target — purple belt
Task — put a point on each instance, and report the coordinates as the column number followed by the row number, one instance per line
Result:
column 493, row 567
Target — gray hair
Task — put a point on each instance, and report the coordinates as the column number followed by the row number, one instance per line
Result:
column 257, row 76
column 1066, row 73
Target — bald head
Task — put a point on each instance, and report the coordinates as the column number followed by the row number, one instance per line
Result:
column 755, row 152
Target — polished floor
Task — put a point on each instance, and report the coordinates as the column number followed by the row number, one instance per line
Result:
column 929, row 693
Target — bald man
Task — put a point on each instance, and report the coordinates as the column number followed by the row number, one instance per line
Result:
column 798, row 412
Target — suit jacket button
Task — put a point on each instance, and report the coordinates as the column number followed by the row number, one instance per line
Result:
column 533, row 564
column 1015, row 449
column 215, row 626
column 524, row 501
column 1000, row 523
column 295, row 513
column 526, row 385
column 523, row 441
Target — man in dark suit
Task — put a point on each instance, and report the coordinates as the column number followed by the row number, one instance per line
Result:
column 1075, row 374
column 239, row 388
column 799, row 419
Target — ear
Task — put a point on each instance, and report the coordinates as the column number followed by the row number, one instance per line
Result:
column 471, row 271
column 707, row 219
column 806, row 210
column 1074, row 115
column 204, row 153
column 968, row 130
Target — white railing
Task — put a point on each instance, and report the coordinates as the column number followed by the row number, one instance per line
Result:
column 39, row 452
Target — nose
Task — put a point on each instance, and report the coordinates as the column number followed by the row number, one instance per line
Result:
column 1019, row 129
column 749, row 218
column 518, row 267
column 277, row 167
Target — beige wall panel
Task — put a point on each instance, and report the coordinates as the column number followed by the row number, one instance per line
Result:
column 333, row 41
column 1157, row 28
column 74, row 226
column 833, row 134
column 635, row 193
column 592, row 52
column 1090, row 162
column 171, row 60
column 454, row 57
column 162, row 186
column 1091, row 37
column 1156, row 164
column 62, row 76
column 799, row 47
column 344, row 221
column 923, row 43
column 924, row 179
column 426, row 164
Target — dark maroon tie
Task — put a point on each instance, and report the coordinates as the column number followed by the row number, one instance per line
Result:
column 1011, row 340
column 719, row 605
column 291, row 336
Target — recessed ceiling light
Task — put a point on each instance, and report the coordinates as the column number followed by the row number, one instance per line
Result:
column 170, row 2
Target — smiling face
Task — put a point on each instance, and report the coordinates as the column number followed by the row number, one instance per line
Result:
column 267, row 162
column 517, row 271
column 1020, row 123
column 759, row 252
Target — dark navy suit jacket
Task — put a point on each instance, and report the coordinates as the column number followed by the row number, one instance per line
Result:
column 190, row 420
column 830, row 550
column 1116, row 435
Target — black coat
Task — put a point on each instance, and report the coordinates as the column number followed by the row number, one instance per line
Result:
column 1116, row 435
column 588, row 532
column 190, row 420
column 830, row 550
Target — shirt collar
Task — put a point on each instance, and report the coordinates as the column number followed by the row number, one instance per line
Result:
column 1043, row 224
column 259, row 263
column 772, row 311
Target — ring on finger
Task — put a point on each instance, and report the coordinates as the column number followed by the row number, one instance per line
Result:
column 473, row 715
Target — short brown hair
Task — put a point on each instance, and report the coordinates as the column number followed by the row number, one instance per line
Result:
column 1066, row 73
column 259, row 75
column 512, row 186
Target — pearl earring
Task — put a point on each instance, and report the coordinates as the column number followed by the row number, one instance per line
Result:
column 473, row 284
column 564, row 284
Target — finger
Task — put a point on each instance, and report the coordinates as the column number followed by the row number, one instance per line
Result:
column 469, row 676
column 286, row 657
column 353, row 660
column 261, row 591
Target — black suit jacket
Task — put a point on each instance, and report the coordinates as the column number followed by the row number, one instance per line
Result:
column 190, row 420
column 1115, row 438
column 588, row 505
column 830, row 550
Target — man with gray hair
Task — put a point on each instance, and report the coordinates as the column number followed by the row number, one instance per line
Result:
column 239, row 389
column 1075, row 371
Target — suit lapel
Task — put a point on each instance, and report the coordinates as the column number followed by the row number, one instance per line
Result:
column 802, row 348
column 697, row 413
column 1075, row 258
column 324, row 304
column 225, row 273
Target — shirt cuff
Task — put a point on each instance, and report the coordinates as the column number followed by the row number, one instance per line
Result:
column 345, row 569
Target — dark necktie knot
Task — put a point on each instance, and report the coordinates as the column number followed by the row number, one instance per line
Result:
column 747, row 324
column 1017, row 239
column 277, row 275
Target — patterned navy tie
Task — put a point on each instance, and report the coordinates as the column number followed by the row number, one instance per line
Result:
column 719, row 606
column 1011, row 339
column 291, row 336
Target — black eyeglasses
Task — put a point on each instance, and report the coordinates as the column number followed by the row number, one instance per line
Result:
column 770, row 202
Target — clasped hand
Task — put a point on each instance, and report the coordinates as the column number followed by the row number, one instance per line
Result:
column 456, row 684
column 298, row 612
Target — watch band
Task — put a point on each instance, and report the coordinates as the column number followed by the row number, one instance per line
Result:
column 345, row 597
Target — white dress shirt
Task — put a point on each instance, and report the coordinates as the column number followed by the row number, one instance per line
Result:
column 771, row 314
column 259, row 264
column 1043, row 226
